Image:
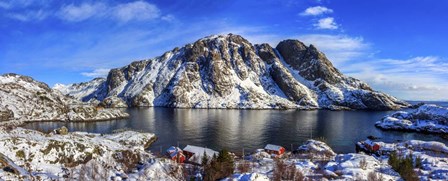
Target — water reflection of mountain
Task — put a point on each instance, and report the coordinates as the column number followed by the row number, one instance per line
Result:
column 248, row 129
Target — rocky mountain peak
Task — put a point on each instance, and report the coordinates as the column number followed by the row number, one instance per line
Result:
column 266, row 53
column 227, row 71
column 309, row 61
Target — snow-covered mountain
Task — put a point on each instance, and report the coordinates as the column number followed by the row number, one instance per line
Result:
column 85, row 90
column 25, row 99
column 227, row 71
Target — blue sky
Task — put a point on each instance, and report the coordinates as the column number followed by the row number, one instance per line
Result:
column 398, row 47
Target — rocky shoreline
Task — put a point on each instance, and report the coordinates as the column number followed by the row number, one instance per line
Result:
column 426, row 118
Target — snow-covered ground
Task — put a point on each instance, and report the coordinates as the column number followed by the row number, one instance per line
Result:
column 433, row 155
column 427, row 118
column 355, row 166
column 248, row 177
column 316, row 160
column 29, row 154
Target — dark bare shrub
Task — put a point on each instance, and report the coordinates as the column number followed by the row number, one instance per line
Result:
column 299, row 176
column 279, row 169
column 244, row 167
column 363, row 164
column 373, row 176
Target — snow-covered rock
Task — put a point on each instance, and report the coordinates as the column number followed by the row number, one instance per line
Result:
column 25, row 99
column 227, row 71
column 316, row 150
column 354, row 166
column 248, row 177
column 80, row 155
column 427, row 118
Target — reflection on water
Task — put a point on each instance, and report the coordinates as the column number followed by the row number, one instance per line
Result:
column 248, row 129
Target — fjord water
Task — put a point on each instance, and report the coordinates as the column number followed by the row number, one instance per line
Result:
column 248, row 129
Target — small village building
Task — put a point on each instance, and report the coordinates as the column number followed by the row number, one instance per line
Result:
column 274, row 149
column 371, row 146
column 175, row 154
column 194, row 154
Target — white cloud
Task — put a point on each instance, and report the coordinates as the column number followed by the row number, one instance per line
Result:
column 417, row 78
column 36, row 15
column 338, row 48
column 101, row 72
column 168, row 18
column 315, row 11
column 82, row 12
column 10, row 4
column 138, row 10
column 326, row 23
column 17, row 16
column 4, row 5
column 28, row 10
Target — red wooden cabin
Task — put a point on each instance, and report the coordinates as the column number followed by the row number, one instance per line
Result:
column 274, row 149
column 372, row 146
column 175, row 154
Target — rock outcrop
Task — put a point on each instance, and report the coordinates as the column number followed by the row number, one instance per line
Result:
column 227, row 71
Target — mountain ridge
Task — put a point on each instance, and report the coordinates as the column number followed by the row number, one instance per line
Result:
column 227, row 71
column 23, row 99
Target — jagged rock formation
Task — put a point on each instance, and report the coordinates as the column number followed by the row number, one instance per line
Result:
column 227, row 71
column 25, row 99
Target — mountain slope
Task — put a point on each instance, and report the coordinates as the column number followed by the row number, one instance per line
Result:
column 227, row 71
column 25, row 99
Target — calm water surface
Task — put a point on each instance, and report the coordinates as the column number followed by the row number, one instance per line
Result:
column 248, row 129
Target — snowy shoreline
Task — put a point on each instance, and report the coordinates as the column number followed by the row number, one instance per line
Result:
column 427, row 118
column 19, row 123
column 29, row 153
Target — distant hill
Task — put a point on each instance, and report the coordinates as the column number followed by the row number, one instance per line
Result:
column 24, row 99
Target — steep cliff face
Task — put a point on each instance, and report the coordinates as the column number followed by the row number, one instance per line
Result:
column 25, row 99
column 227, row 71
column 334, row 90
